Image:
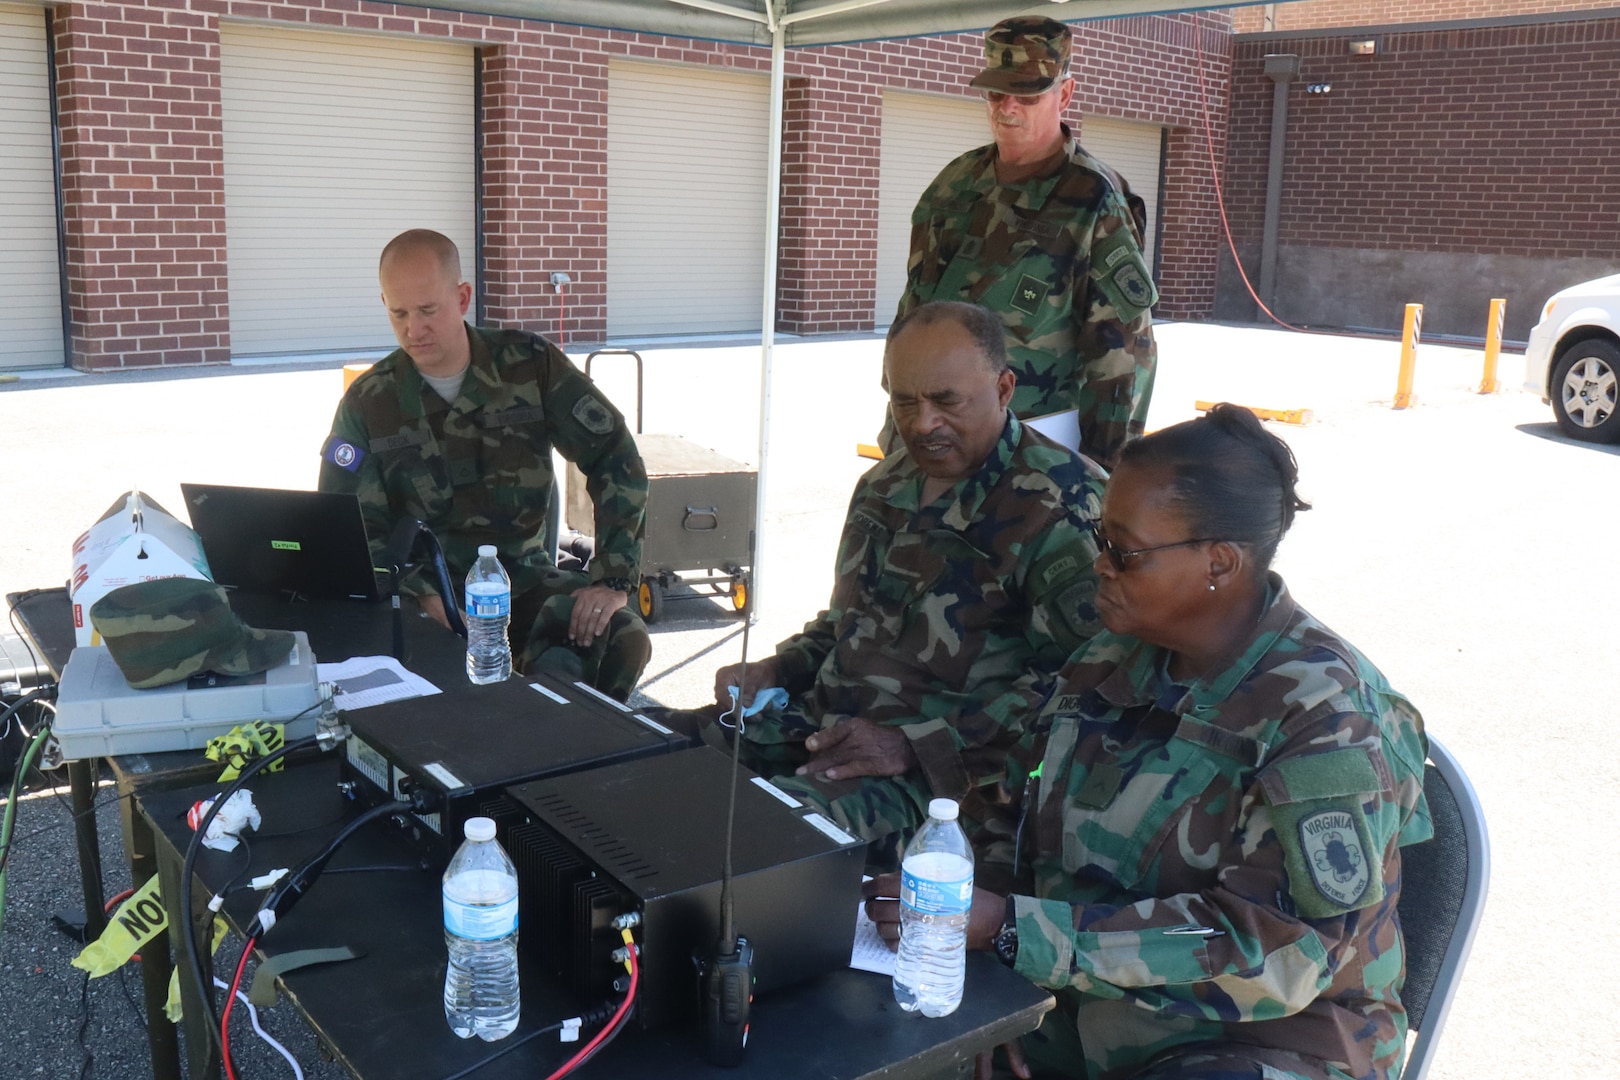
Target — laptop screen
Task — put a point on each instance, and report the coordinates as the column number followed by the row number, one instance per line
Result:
column 271, row 540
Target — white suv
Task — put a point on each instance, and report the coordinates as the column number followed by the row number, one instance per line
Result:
column 1573, row 359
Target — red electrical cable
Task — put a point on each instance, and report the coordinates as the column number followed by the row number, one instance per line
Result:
column 106, row 909
column 1220, row 202
column 618, row 1018
column 230, row 1001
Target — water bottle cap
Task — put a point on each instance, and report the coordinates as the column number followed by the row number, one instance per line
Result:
column 486, row 551
column 479, row 829
column 942, row 809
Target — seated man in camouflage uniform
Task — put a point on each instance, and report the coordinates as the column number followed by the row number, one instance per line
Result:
column 456, row 428
column 964, row 580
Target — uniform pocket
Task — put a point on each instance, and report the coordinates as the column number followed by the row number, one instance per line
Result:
column 1115, row 825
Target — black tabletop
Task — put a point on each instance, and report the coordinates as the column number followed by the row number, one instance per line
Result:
column 383, row 1016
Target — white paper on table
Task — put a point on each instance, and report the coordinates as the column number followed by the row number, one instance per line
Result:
column 871, row 952
column 363, row 681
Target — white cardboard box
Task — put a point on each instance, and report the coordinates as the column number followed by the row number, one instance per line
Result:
column 135, row 540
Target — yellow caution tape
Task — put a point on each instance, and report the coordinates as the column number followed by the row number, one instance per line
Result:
column 137, row 921
column 242, row 744
column 172, row 1008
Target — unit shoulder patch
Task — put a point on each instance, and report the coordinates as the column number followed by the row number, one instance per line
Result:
column 1335, row 856
column 343, row 453
column 592, row 415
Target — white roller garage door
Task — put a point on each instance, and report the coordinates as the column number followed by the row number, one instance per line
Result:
column 1133, row 150
column 922, row 133
column 30, row 279
column 334, row 143
column 686, row 199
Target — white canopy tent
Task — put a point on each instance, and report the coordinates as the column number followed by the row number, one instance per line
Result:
column 781, row 24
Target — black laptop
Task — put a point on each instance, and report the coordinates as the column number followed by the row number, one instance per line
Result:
column 312, row 543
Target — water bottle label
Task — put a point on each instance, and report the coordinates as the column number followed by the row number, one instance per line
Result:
column 489, row 605
column 928, row 897
column 480, row 922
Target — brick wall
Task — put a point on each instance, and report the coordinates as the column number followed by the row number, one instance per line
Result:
column 1326, row 14
column 142, row 143
column 142, row 184
column 1496, row 139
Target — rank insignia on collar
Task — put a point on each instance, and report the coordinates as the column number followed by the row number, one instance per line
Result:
column 1028, row 294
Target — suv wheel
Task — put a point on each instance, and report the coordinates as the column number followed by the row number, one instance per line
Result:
column 1586, row 391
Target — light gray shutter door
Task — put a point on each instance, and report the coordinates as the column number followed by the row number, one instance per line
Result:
column 1133, row 151
column 335, row 143
column 922, row 133
column 686, row 199
column 30, row 278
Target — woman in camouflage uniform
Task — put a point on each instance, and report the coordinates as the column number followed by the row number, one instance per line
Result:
column 1205, row 864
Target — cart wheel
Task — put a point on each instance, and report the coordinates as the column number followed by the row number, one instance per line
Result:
column 650, row 600
column 739, row 595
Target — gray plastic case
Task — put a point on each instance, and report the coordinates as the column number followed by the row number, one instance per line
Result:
column 98, row 713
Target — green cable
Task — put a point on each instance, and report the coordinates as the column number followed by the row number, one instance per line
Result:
column 24, row 763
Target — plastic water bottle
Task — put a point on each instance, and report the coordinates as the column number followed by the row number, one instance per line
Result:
column 480, row 930
column 489, row 609
column 936, row 894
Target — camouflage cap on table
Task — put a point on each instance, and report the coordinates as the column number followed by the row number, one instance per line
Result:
column 1025, row 55
column 163, row 631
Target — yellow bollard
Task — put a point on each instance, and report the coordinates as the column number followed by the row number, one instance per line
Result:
column 1409, row 343
column 352, row 372
column 1493, row 346
column 1282, row 416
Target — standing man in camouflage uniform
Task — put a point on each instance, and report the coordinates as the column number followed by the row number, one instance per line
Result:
column 1050, row 239
column 964, row 582
column 1206, row 864
column 456, row 427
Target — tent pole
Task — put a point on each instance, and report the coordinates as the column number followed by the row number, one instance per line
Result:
column 773, row 213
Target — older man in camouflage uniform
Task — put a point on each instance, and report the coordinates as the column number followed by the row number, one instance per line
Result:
column 456, row 428
column 1210, row 871
column 964, row 580
column 1050, row 239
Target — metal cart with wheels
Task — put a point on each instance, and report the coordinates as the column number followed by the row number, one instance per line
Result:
column 700, row 510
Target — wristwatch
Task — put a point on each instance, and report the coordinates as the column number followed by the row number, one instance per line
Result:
column 618, row 583
column 1006, row 940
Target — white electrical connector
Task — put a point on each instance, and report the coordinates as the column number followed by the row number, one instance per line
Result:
column 570, row 1030
column 264, row 881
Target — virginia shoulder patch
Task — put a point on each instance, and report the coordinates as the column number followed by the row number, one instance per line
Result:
column 343, row 453
column 1119, row 271
column 593, row 416
column 1335, row 857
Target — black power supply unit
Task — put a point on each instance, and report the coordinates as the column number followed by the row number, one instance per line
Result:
column 648, row 836
column 461, row 756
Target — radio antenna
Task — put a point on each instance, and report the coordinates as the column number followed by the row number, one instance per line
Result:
column 728, row 985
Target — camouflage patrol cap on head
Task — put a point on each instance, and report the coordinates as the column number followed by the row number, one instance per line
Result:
column 1024, row 55
column 163, row 631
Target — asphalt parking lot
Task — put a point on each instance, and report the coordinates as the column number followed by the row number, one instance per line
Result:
column 1462, row 544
